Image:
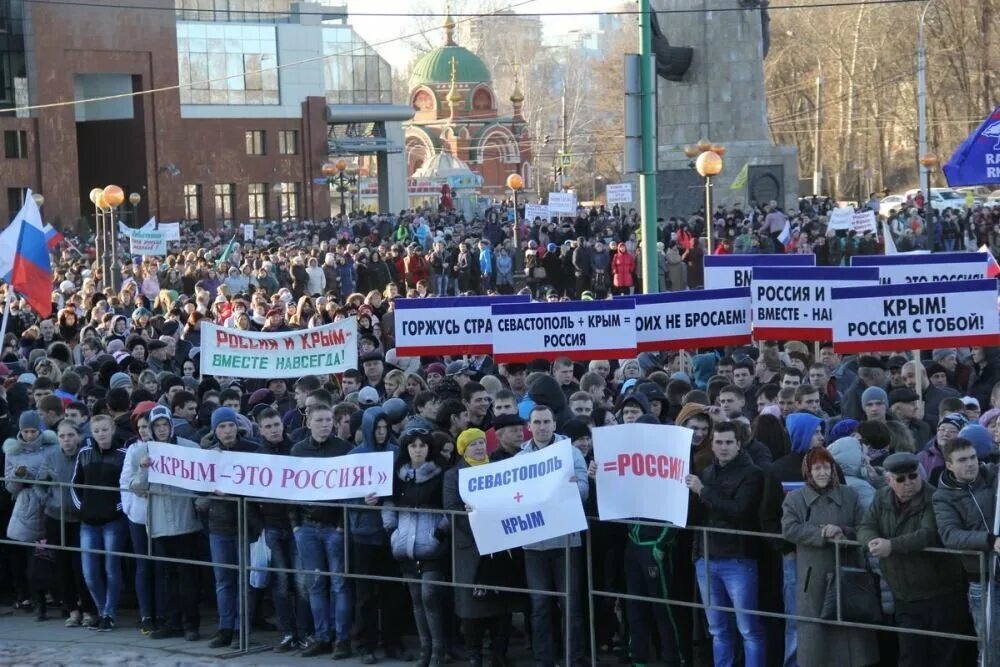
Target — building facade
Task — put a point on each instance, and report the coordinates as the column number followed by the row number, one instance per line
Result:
column 208, row 115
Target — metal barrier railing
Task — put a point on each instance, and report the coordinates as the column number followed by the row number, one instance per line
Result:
column 243, row 567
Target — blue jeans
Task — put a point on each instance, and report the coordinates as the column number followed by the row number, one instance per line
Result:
column 227, row 589
column 441, row 285
column 104, row 586
column 978, row 611
column 732, row 582
column 291, row 601
column 789, row 579
column 150, row 582
column 321, row 549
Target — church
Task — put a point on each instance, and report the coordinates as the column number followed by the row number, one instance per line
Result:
column 457, row 119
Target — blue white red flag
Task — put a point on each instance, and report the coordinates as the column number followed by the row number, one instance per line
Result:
column 31, row 275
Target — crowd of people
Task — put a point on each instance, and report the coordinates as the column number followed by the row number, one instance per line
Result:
column 895, row 453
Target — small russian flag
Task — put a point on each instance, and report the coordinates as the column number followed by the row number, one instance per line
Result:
column 992, row 268
column 52, row 236
column 31, row 275
column 785, row 237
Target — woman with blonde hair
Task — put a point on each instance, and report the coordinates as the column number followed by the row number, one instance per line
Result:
column 395, row 383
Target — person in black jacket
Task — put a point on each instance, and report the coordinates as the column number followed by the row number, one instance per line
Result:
column 729, row 492
column 319, row 536
column 102, row 523
column 291, row 602
column 223, row 532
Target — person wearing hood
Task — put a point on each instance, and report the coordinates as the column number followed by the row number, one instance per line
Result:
column 986, row 373
column 728, row 495
column 25, row 456
column 932, row 461
column 545, row 390
column 850, row 457
column 370, row 555
column 418, row 539
column 927, row 588
column 632, row 407
column 965, row 509
column 103, row 526
column 821, row 511
column 223, row 531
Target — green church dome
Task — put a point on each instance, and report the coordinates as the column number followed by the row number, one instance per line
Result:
column 435, row 67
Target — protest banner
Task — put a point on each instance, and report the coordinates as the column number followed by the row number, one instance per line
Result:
column 148, row 242
column 795, row 303
column 447, row 325
column 285, row 354
column 532, row 211
column 641, row 470
column 727, row 271
column 936, row 267
column 247, row 232
column 524, row 499
column 863, row 222
column 693, row 319
column 171, row 230
column 579, row 330
column 619, row 193
column 924, row 316
column 562, row 203
column 270, row 475
column 841, row 218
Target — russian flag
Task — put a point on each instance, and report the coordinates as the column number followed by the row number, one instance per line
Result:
column 992, row 268
column 785, row 237
column 32, row 272
column 52, row 236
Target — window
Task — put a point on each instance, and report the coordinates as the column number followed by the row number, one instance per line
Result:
column 225, row 202
column 258, row 201
column 227, row 64
column 288, row 142
column 15, row 144
column 192, row 202
column 288, row 200
column 255, row 142
column 15, row 200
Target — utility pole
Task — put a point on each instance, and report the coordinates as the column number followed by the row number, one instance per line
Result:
column 817, row 156
column 647, row 177
column 925, row 172
column 565, row 141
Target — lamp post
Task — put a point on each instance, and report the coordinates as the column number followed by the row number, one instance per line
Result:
column 113, row 197
column 928, row 161
column 515, row 183
column 95, row 193
column 341, row 167
column 134, row 199
column 708, row 163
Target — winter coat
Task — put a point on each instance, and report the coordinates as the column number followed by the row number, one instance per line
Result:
column 317, row 280
column 849, row 456
column 222, row 511
column 300, row 281
column 964, row 515
column 622, row 266
column 366, row 525
column 505, row 270
column 912, row 573
column 987, row 374
column 96, row 466
column 676, row 271
column 169, row 510
column 27, row 521
column 57, row 467
column 804, row 512
column 417, row 536
column 309, row 448
column 134, row 505
column 731, row 498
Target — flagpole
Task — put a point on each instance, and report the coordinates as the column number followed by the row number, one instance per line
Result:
column 6, row 314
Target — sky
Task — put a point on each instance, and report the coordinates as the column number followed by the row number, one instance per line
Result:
column 375, row 29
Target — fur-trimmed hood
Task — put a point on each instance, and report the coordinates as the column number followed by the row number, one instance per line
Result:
column 15, row 446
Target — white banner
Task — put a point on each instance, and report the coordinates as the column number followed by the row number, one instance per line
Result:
column 523, row 499
column 938, row 267
column 728, row 271
column 148, row 242
column 915, row 317
column 692, row 319
column 289, row 354
column 641, row 470
column 841, row 218
column 796, row 303
column 271, row 476
column 172, row 230
column 579, row 330
column 445, row 325
column 562, row 203
column 247, row 232
column 532, row 211
column 863, row 222
column 619, row 193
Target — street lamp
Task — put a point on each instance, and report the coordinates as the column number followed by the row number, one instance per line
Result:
column 708, row 164
column 95, row 193
column 134, row 199
column 340, row 167
column 112, row 196
column 39, row 199
column 928, row 161
column 515, row 183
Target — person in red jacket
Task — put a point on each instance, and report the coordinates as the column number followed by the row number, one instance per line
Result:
column 622, row 269
column 415, row 266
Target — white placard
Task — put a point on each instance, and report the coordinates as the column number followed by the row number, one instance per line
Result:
column 841, row 218
column 863, row 222
column 447, row 326
column 915, row 317
column 619, row 193
column 288, row 354
column 148, row 242
column 938, row 267
column 728, row 271
column 532, row 211
column 247, row 232
column 269, row 475
column 172, row 230
column 796, row 303
column 562, row 203
column 641, row 470
column 524, row 499
column 579, row 330
column 692, row 319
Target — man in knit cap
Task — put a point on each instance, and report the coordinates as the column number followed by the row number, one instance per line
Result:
column 875, row 402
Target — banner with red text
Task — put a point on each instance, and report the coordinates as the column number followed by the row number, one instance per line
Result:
column 271, row 476
column 288, row 354
column 641, row 470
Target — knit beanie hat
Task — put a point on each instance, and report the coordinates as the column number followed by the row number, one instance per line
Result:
column 687, row 411
column 29, row 419
column 874, row 394
column 466, row 438
column 980, row 438
column 223, row 415
column 575, row 429
column 120, row 380
column 955, row 419
column 842, row 429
